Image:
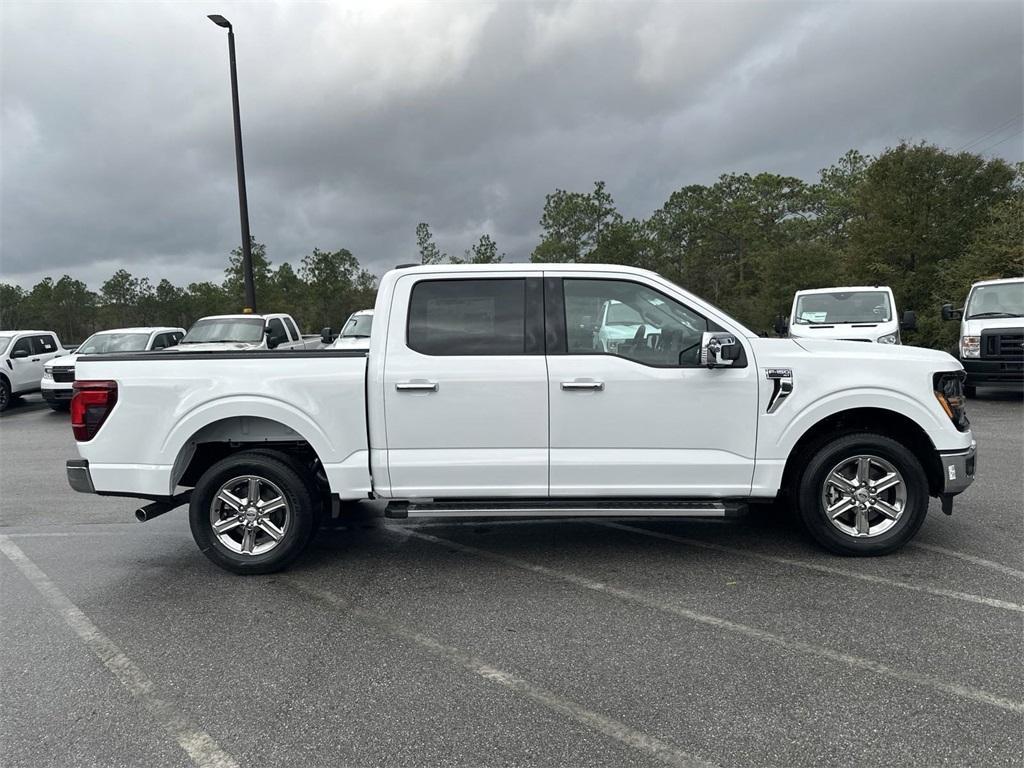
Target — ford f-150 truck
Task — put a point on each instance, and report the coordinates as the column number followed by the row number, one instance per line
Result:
column 246, row 332
column 483, row 394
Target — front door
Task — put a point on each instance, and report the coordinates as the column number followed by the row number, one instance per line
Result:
column 27, row 368
column 466, row 387
column 633, row 413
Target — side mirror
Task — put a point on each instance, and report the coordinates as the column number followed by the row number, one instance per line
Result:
column 949, row 313
column 326, row 336
column 781, row 325
column 272, row 340
column 719, row 350
column 909, row 321
column 18, row 354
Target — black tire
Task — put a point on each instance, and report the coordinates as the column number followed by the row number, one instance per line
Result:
column 970, row 390
column 5, row 393
column 295, row 489
column 811, row 484
column 60, row 407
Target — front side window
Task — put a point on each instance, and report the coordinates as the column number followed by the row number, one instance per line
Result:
column 630, row 320
column 248, row 330
column 997, row 300
column 106, row 343
column 843, row 307
column 23, row 344
column 468, row 317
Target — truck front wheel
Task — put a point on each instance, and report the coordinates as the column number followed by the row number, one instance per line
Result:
column 252, row 512
column 863, row 494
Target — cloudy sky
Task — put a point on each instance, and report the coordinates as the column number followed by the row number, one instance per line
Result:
column 360, row 120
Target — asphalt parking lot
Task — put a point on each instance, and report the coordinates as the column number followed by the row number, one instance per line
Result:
column 580, row 643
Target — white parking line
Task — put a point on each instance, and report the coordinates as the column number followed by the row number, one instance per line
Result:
column 971, row 559
column 916, row 678
column 199, row 746
column 638, row 740
column 938, row 591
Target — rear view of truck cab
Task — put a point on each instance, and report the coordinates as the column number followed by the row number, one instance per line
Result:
column 991, row 340
column 848, row 314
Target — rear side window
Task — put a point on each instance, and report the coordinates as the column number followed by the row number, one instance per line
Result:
column 44, row 344
column 292, row 329
column 468, row 317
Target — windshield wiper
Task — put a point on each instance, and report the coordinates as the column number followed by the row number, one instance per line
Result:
column 992, row 314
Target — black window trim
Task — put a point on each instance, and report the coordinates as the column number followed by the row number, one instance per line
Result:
column 533, row 321
column 557, row 335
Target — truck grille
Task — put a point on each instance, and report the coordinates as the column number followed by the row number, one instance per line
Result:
column 65, row 374
column 1003, row 345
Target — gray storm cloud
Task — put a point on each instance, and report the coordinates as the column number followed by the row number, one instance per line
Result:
column 361, row 120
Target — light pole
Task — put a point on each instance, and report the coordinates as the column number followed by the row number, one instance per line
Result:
column 243, row 203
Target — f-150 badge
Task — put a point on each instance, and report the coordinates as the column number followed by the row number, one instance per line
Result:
column 782, row 378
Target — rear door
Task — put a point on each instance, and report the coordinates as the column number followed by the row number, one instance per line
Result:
column 465, row 386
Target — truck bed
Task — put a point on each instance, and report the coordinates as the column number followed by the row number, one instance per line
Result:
column 170, row 404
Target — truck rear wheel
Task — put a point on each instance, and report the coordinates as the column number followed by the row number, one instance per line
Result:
column 252, row 512
column 863, row 494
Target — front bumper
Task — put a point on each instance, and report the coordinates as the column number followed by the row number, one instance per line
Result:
column 79, row 477
column 958, row 469
column 993, row 373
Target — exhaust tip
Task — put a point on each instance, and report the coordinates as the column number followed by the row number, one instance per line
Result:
column 140, row 515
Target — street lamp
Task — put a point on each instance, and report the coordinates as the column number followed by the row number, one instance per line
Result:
column 243, row 203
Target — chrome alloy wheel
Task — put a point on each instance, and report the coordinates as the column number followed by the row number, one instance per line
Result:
column 864, row 496
column 249, row 515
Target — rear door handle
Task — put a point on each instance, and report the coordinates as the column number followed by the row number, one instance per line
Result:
column 416, row 386
column 597, row 386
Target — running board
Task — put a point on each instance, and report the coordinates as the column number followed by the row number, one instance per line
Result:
column 402, row 510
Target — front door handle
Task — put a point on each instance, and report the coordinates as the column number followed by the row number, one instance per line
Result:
column 596, row 386
column 35, row 359
column 416, row 386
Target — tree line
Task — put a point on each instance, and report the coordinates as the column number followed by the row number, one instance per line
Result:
column 926, row 221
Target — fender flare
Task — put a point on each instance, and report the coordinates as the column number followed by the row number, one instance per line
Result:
column 875, row 398
column 251, row 406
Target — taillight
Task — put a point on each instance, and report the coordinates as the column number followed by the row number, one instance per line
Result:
column 91, row 403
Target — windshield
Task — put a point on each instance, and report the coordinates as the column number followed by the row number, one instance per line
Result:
column 358, row 327
column 999, row 300
column 846, row 307
column 4, row 341
column 622, row 314
column 246, row 330
column 104, row 343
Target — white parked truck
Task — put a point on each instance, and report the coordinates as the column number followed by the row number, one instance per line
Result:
column 355, row 334
column 991, row 343
column 22, row 357
column 476, row 399
column 847, row 313
column 246, row 332
column 59, row 373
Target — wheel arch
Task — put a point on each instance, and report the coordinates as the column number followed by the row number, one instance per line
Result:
column 882, row 421
column 206, row 436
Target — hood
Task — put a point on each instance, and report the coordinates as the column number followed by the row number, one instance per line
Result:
column 840, row 331
column 977, row 325
column 61, row 361
column 860, row 350
column 351, row 342
column 215, row 346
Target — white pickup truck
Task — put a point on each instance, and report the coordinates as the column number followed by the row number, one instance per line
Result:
column 246, row 332
column 483, row 395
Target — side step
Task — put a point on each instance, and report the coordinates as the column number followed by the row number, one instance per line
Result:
column 401, row 510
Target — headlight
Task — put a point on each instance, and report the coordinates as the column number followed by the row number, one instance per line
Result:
column 891, row 338
column 47, row 372
column 950, row 394
column 970, row 346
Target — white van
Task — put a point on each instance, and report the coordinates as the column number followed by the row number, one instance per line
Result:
column 991, row 343
column 847, row 313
